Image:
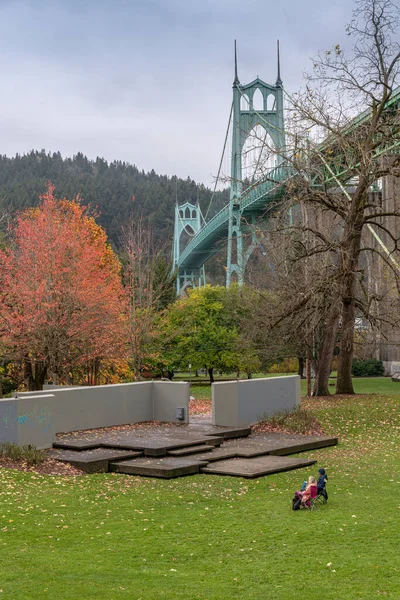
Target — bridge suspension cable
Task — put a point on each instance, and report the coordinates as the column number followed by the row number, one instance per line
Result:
column 220, row 163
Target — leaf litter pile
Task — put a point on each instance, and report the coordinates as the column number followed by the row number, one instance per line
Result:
column 48, row 466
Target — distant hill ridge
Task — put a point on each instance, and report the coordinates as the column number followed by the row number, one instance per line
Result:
column 109, row 187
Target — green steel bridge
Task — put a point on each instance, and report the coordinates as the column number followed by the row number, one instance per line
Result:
column 228, row 226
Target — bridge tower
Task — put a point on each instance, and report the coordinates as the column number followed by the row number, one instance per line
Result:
column 188, row 219
column 245, row 118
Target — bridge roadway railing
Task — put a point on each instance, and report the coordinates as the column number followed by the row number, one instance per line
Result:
column 251, row 199
column 210, row 228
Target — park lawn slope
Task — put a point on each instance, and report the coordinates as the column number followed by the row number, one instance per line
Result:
column 114, row 536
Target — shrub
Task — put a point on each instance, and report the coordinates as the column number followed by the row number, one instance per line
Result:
column 296, row 421
column 284, row 365
column 27, row 453
column 367, row 368
column 31, row 455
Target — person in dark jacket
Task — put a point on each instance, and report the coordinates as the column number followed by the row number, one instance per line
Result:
column 321, row 483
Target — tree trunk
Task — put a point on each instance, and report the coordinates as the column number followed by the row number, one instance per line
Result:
column 326, row 353
column 350, row 262
column 96, row 371
column 211, row 374
column 300, row 371
column 34, row 375
column 344, row 380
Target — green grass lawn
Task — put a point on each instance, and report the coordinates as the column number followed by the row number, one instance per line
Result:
column 362, row 385
column 112, row 537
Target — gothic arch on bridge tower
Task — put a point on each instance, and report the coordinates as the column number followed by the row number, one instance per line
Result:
column 270, row 103
column 258, row 100
column 265, row 108
column 186, row 235
column 188, row 222
column 258, row 154
column 244, row 102
column 188, row 219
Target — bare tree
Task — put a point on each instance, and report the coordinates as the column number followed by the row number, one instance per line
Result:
column 343, row 138
column 149, row 285
column 300, row 306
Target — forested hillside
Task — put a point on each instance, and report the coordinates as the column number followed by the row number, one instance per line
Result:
column 117, row 190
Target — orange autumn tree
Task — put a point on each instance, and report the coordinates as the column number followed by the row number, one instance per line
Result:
column 60, row 291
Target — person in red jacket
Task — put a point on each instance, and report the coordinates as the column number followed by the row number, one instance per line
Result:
column 308, row 490
column 311, row 490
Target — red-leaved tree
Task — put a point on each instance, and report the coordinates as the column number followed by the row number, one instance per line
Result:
column 60, row 291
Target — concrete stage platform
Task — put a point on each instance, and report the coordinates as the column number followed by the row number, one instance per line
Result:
column 178, row 450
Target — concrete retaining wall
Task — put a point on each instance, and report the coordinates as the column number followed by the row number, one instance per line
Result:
column 391, row 367
column 36, row 417
column 167, row 397
column 242, row 403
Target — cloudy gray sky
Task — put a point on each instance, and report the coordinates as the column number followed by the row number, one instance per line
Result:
column 146, row 81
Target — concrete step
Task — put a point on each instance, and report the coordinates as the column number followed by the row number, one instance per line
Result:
column 229, row 433
column 191, row 450
column 278, row 444
column 166, row 468
column 213, row 440
column 217, row 454
column 77, row 444
column 151, row 443
column 255, row 467
column 202, row 428
column 92, row 461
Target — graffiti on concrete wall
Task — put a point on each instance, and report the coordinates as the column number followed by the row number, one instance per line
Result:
column 37, row 418
column 6, row 417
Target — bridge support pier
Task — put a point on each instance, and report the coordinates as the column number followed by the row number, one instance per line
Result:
column 234, row 260
column 237, row 254
column 190, row 278
column 188, row 221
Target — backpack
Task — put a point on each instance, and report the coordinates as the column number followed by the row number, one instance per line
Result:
column 296, row 503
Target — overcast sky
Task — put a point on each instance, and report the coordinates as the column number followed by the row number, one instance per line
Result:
column 147, row 81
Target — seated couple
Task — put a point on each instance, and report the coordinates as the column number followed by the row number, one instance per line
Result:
column 311, row 489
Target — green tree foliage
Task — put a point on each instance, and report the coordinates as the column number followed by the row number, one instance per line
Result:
column 117, row 190
column 206, row 329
